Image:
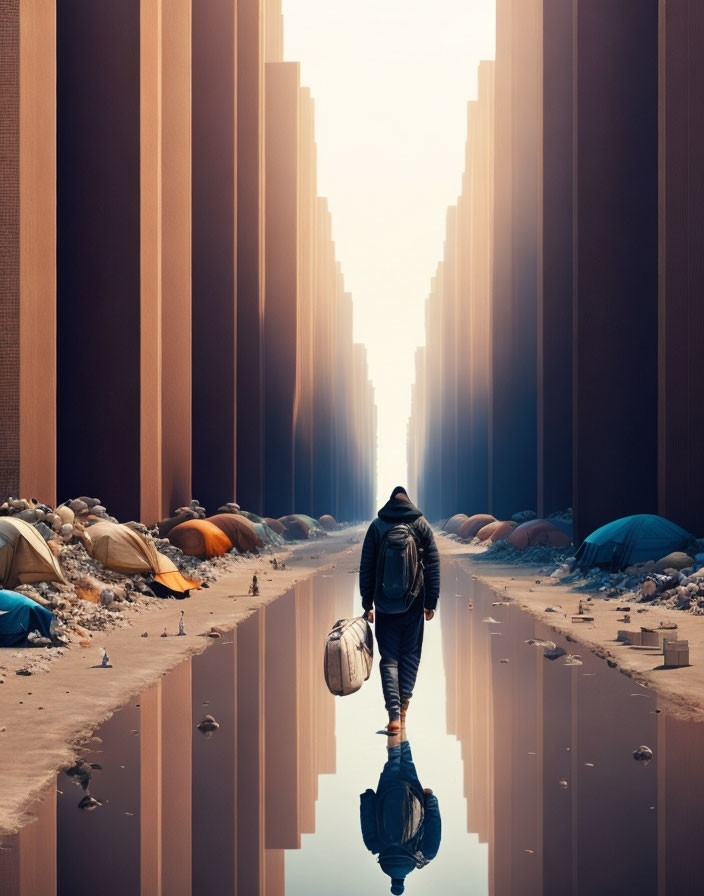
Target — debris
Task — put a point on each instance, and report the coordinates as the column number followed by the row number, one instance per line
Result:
column 491, row 620
column 208, row 725
column 554, row 654
column 643, row 754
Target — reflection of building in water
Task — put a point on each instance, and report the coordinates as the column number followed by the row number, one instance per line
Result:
column 680, row 806
column 28, row 859
column 527, row 725
column 186, row 813
column 238, row 800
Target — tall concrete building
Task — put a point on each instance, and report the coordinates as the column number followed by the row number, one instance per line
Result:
column 513, row 421
column 214, row 281
column 28, row 248
column 140, row 248
column 681, row 264
column 615, row 234
column 555, row 268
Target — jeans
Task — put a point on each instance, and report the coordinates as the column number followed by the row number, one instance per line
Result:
column 399, row 637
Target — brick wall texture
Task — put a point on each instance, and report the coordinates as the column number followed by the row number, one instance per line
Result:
column 9, row 247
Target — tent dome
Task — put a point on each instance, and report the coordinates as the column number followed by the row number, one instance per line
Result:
column 473, row 524
column 19, row 615
column 201, row 538
column 632, row 539
column 454, row 524
column 538, row 532
column 496, row 530
column 24, row 555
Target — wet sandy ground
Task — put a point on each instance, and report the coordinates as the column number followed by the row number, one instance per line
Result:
column 682, row 689
column 44, row 716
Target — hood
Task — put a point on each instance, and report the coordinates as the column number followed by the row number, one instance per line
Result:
column 395, row 511
column 396, row 863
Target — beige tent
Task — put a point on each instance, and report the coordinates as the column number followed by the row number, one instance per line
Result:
column 25, row 557
column 123, row 550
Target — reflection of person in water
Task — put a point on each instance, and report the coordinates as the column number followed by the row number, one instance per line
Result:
column 401, row 821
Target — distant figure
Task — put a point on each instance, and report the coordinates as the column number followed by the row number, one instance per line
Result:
column 401, row 821
column 275, row 563
column 254, row 587
column 106, row 659
column 399, row 577
column 181, row 625
column 164, row 634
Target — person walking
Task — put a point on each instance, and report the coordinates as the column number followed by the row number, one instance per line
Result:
column 401, row 820
column 399, row 580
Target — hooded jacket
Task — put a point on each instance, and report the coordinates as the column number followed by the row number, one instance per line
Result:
column 383, row 815
column 393, row 512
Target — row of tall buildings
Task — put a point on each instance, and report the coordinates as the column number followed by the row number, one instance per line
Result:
column 175, row 320
column 562, row 366
column 187, row 814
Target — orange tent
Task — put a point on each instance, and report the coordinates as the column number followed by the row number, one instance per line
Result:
column 200, row 538
column 238, row 529
column 454, row 523
column 539, row 532
column 473, row 524
column 496, row 531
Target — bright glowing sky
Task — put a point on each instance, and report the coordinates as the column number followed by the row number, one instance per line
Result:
column 391, row 80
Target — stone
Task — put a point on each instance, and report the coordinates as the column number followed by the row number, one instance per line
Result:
column 640, row 569
column 208, row 725
column 648, row 589
column 676, row 561
column 66, row 531
column 643, row 754
column 78, row 506
column 46, row 533
column 107, row 597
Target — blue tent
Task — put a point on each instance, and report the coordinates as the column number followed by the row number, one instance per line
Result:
column 632, row 539
column 20, row 615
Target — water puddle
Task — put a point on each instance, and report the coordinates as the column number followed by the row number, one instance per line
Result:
column 531, row 760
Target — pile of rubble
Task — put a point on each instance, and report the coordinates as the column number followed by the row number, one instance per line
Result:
column 675, row 581
column 504, row 553
column 94, row 598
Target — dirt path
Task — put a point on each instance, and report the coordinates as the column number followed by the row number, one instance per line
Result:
column 682, row 689
column 44, row 715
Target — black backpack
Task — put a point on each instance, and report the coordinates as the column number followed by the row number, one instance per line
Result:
column 399, row 571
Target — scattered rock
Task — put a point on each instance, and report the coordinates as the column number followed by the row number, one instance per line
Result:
column 208, row 725
column 677, row 561
column 643, row 754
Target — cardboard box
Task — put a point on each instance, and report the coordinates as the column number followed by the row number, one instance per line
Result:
column 629, row 637
column 676, row 653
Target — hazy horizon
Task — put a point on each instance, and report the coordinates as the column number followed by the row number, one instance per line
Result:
column 391, row 85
